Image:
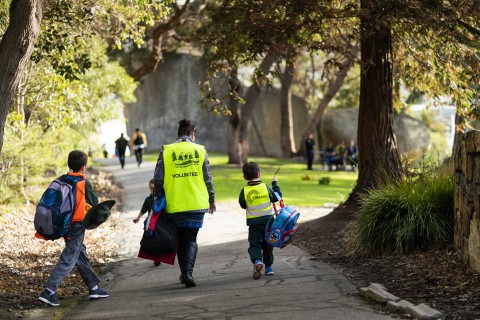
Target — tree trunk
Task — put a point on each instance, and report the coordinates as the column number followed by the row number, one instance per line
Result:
column 378, row 155
column 332, row 91
column 15, row 50
column 287, row 140
column 247, row 110
column 234, row 147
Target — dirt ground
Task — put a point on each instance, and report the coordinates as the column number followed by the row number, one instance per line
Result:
column 436, row 277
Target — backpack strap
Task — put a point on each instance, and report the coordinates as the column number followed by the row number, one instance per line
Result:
column 280, row 201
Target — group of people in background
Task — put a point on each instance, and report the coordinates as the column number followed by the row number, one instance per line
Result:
column 339, row 156
column 138, row 143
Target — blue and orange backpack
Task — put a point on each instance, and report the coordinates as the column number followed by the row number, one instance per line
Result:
column 54, row 211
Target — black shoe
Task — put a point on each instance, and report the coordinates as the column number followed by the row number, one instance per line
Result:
column 156, row 264
column 188, row 280
column 182, row 281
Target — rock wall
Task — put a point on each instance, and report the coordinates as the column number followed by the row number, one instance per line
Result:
column 467, row 198
column 341, row 125
column 171, row 94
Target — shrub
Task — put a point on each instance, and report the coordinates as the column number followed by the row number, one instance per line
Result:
column 408, row 215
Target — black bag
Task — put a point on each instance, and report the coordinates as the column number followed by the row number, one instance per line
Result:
column 163, row 239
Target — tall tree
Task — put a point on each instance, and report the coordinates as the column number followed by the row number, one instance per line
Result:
column 15, row 50
column 376, row 105
column 287, row 140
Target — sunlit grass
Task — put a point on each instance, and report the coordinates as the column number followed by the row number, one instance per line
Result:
column 299, row 186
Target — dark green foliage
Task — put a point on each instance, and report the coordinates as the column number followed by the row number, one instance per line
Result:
column 324, row 180
column 405, row 216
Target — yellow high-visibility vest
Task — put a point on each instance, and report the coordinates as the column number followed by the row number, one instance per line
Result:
column 185, row 189
column 258, row 201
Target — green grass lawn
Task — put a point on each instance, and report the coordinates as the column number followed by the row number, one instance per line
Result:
column 292, row 179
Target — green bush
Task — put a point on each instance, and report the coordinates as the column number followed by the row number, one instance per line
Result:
column 408, row 215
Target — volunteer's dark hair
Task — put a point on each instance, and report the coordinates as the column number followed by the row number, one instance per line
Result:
column 77, row 159
column 185, row 128
column 251, row 170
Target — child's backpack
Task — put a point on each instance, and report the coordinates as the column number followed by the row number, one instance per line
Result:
column 55, row 209
column 282, row 226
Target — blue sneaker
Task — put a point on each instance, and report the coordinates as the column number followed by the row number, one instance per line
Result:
column 49, row 298
column 97, row 294
column 257, row 268
column 269, row 271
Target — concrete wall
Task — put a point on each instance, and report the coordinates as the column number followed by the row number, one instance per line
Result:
column 171, row 94
column 467, row 198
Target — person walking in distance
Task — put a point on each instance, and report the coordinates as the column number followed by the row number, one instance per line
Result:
column 139, row 143
column 183, row 175
column 121, row 145
column 309, row 147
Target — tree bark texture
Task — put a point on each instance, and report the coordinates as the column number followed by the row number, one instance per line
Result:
column 234, row 147
column 329, row 95
column 378, row 155
column 251, row 97
column 286, row 113
column 15, row 51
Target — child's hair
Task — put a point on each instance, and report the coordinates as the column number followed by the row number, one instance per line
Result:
column 76, row 160
column 151, row 181
column 251, row 170
column 185, row 128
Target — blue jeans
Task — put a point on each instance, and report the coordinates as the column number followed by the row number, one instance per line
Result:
column 74, row 254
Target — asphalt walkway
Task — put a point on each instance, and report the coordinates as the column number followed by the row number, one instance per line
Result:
column 301, row 288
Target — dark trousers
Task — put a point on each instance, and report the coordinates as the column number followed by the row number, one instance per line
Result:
column 138, row 155
column 259, row 248
column 121, row 157
column 187, row 249
column 309, row 160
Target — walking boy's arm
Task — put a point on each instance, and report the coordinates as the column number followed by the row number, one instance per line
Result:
column 273, row 191
column 241, row 200
column 90, row 196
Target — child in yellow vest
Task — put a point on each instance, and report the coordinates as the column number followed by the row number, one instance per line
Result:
column 257, row 199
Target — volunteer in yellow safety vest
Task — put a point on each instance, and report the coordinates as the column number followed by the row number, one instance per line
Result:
column 257, row 199
column 183, row 176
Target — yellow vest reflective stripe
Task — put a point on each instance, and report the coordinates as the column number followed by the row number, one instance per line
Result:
column 185, row 189
column 258, row 201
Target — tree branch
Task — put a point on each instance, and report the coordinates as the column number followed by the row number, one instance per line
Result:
column 469, row 28
column 157, row 35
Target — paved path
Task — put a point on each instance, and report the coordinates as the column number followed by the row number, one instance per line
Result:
column 300, row 289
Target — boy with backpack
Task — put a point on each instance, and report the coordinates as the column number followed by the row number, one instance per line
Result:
column 257, row 199
column 75, row 252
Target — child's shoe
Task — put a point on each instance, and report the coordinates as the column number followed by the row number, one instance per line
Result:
column 269, row 271
column 257, row 268
column 98, row 294
column 49, row 298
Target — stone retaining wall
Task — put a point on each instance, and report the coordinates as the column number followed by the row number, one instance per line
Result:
column 467, row 198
